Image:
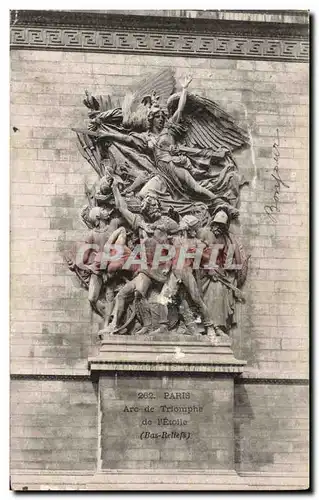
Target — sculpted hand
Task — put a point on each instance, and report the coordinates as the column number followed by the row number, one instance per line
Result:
column 186, row 82
column 117, row 180
column 93, row 114
column 147, row 228
column 222, row 152
column 72, row 266
column 115, row 184
column 70, row 263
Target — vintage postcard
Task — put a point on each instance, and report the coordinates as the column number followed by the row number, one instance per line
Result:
column 159, row 250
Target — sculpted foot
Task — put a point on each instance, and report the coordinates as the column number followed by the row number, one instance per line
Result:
column 105, row 331
column 145, row 330
column 221, row 334
column 110, row 330
column 191, row 329
column 211, row 334
column 161, row 330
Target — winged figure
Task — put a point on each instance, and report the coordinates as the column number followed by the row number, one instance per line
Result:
column 175, row 146
column 164, row 148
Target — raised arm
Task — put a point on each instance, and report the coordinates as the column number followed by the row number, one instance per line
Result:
column 120, row 202
column 117, row 137
column 182, row 100
column 133, row 219
column 113, row 136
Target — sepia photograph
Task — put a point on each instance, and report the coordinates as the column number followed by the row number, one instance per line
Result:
column 159, row 250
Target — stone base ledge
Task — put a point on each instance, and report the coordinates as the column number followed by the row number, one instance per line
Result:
column 173, row 353
column 137, row 480
column 264, row 376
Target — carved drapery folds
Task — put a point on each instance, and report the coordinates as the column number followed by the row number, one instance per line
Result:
column 159, row 255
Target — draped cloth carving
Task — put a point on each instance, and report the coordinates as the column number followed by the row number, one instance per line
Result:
column 166, row 177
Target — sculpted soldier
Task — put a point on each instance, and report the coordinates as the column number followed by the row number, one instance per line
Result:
column 171, row 155
column 220, row 284
column 106, row 231
column 183, row 271
column 153, row 228
column 174, row 171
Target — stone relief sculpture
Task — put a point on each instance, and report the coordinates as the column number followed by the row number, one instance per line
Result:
column 167, row 192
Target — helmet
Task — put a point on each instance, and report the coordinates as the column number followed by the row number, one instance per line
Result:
column 94, row 214
column 221, row 217
column 153, row 104
column 105, row 184
column 189, row 222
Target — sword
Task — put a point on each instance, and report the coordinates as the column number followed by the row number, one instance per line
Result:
column 238, row 294
column 86, row 131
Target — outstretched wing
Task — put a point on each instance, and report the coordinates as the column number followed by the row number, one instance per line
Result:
column 132, row 115
column 99, row 103
column 161, row 83
column 87, row 144
column 208, row 125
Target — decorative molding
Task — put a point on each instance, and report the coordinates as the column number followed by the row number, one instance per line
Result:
column 244, row 378
column 28, row 376
column 165, row 480
column 127, row 479
column 164, row 367
column 165, row 353
column 196, row 37
column 116, row 20
column 264, row 379
column 160, row 43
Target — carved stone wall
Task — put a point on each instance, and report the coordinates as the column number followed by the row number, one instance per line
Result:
column 207, row 439
column 54, row 424
column 51, row 319
column 272, row 427
column 163, row 35
column 52, row 330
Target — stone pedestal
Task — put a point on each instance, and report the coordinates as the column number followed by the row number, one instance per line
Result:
column 173, row 353
column 166, row 403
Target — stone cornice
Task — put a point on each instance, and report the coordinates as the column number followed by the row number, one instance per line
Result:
column 170, row 353
column 98, row 20
column 159, row 479
column 277, row 379
column 196, row 37
column 101, row 366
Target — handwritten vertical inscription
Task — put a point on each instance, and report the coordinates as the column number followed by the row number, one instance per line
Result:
column 180, row 422
column 274, row 207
